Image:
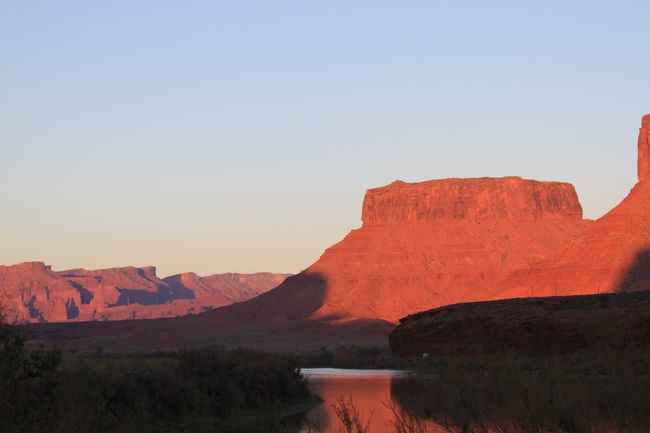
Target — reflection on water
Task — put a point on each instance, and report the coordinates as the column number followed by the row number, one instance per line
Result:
column 370, row 390
column 498, row 402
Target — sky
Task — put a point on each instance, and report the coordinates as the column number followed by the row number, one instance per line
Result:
column 240, row 136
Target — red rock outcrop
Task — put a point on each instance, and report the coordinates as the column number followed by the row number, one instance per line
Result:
column 32, row 292
column 443, row 241
column 225, row 289
column 644, row 149
column 612, row 255
column 439, row 201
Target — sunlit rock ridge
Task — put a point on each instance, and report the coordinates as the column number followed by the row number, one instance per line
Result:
column 33, row 292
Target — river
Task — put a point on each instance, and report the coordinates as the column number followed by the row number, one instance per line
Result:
column 370, row 390
column 380, row 395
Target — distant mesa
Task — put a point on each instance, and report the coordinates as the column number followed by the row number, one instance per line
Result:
column 33, row 292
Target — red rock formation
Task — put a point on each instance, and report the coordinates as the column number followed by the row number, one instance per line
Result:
column 644, row 149
column 443, row 241
column 33, row 292
column 611, row 255
column 440, row 201
column 225, row 289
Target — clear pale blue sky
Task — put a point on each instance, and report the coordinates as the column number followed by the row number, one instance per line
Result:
column 240, row 136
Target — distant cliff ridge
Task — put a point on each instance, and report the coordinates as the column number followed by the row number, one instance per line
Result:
column 33, row 292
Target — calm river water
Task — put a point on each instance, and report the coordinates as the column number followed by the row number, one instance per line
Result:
column 374, row 392
column 369, row 389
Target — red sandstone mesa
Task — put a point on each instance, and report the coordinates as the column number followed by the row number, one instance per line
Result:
column 33, row 292
column 443, row 241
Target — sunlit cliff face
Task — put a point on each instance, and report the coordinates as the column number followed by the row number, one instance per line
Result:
column 443, row 241
column 33, row 292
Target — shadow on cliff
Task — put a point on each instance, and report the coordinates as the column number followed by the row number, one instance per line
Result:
column 637, row 277
column 286, row 318
column 282, row 319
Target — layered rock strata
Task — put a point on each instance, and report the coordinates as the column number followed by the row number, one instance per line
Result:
column 33, row 292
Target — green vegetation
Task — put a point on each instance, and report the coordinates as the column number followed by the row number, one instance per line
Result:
column 190, row 391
